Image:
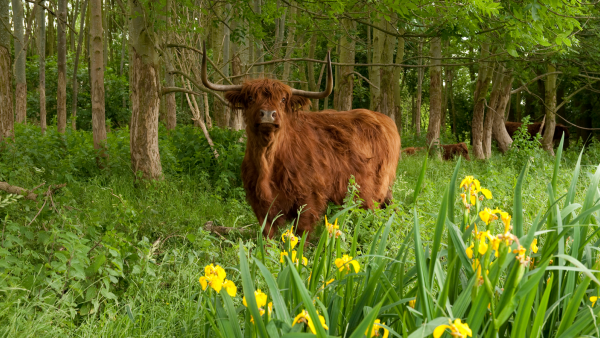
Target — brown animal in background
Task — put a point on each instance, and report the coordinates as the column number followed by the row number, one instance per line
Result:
column 452, row 150
column 296, row 158
column 412, row 150
column 534, row 128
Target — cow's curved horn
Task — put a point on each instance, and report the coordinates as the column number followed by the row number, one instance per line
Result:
column 328, row 87
column 210, row 85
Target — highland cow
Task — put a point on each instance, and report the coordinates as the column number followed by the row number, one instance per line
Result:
column 452, row 150
column 412, row 150
column 297, row 159
column 534, row 128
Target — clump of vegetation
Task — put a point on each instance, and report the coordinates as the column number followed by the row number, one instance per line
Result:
column 524, row 147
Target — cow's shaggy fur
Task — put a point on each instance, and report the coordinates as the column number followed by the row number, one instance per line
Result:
column 534, row 128
column 452, row 150
column 306, row 158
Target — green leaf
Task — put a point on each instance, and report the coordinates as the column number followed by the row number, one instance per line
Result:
column 423, row 279
column 248, row 289
column 367, row 323
column 518, row 203
column 278, row 302
column 307, row 300
column 420, row 180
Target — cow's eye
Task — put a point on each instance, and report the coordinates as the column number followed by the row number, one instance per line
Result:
column 283, row 100
column 250, row 99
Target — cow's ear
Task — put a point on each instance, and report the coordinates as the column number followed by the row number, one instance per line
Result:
column 299, row 103
column 236, row 99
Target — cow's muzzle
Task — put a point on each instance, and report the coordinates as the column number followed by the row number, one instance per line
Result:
column 267, row 116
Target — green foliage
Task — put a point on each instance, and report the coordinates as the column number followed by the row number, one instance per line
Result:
column 524, row 146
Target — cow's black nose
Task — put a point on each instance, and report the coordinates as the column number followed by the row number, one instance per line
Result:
column 267, row 116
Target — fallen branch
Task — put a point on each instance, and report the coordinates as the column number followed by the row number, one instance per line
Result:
column 28, row 194
column 208, row 226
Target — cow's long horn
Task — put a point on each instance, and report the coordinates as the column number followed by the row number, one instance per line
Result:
column 210, row 85
column 328, row 87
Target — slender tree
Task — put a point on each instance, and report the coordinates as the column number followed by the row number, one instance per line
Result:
column 344, row 88
column 20, row 55
column 97, row 75
column 41, row 38
column 435, row 93
column 550, row 107
column 420, row 72
column 76, row 65
column 61, row 91
column 6, row 96
column 486, row 70
column 144, row 90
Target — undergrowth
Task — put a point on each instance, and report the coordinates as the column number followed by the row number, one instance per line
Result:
column 105, row 257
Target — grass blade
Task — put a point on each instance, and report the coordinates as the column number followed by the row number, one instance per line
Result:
column 278, row 302
column 248, row 288
column 518, row 203
column 423, row 279
column 420, row 180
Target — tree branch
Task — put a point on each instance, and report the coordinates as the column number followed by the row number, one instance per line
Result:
column 167, row 90
column 532, row 81
column 28, row 194
column 175, row 45
column 51, row 12
column 202, row 88
column 364, row 78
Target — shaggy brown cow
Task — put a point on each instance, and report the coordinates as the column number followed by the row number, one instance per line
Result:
column 298, row 159
column 534, row 128
column 412, row 150
column 452, row 150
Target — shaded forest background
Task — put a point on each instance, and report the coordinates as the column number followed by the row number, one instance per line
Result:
column 445, row 71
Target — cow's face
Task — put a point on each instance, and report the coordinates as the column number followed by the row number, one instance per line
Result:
column 268, row 105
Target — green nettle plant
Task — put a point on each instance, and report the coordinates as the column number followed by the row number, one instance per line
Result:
column 496, row 277
column 524, row 147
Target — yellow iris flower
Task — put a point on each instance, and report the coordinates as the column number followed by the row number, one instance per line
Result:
column 214, row 276
column 534, row 247
column 375, row 330
column 469, row 251
column 214, row 282
column 261, row 299
column 487, row 215
column 304, row 317
column 289, row 235
column 345, row 263
column 593, row 299
column 294, row 259
column 230, row 287
column 212, row 270
column 457, row 329
column 331, row 228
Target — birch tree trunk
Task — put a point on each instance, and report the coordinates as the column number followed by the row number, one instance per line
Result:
column 550, row 97
column 20, row 55
column 144, row 94
column 61, row 90
column 97, row 76
column 7, row 117
column 220, row 47
column 344, row 88
column 236, row 121
column 435, row 93
column 76, row 65
column 41, row 19
column 481, row 87
column 420, row 72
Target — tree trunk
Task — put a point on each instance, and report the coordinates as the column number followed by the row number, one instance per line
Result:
column 97, row 76
column 483, row 80
column 7, row 117
column 290, row 42
column 452, row 107
column 550, row 96
column 344, row 88
column 258, row 48
column 236, row 120
column 41, row 19
column 144, row 93
column 396, row 82
column 169, row 78
column 76, row 65
column 312, row 84
column 50, row 34
column 519, row 108
column 61, row 90
column 20, row 55
column 499, row 129
column 382, row 99
column 220, row 47
column 420, row 72
column 490, row 117
column 435, row 93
